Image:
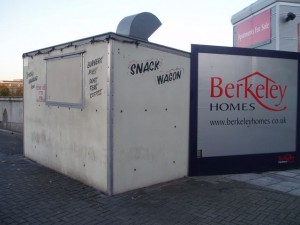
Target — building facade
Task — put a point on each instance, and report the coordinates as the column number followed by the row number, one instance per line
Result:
column 268, row 24
column 15, row 87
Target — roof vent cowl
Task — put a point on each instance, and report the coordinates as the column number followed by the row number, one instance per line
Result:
column 141, row 25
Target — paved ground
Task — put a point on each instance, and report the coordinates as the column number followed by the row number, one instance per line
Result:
column 284, row 181
column 33, row 194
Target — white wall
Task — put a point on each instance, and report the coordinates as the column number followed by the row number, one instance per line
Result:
column 150, row 120
column 13, row 108
column 72, row 141
column 131, row 134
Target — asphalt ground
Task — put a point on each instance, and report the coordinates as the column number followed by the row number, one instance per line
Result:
column 33, row 194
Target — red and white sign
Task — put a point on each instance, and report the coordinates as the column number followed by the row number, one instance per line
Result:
column 247, row 104
column 254, row 30
column 255, row 85
column 40, row 92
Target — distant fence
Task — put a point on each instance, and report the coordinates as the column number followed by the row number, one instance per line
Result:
column 11, row 113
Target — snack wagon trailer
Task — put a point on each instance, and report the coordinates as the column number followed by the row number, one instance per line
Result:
column 111, row 111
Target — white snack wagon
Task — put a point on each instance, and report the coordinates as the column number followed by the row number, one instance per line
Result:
column 111, row 111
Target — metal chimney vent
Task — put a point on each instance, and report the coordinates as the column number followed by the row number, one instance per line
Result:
column 140, row 26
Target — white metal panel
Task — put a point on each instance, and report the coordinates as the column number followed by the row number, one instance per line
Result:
column 64, row 83
column 240, row 123
column 70, row 140
column 288, row 31
column 150, row 116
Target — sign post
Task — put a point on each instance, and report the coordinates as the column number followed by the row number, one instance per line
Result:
column 244, row 106
column 254, row 31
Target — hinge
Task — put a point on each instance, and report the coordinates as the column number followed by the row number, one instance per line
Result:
column 199, row 153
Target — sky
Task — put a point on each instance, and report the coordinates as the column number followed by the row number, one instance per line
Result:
column 28, row 25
